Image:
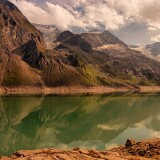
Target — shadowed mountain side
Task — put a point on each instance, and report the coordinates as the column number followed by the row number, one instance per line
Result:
column 15, row 31
column 60, row 121
column 15, row 72
column 31, row 54
column 64, row 36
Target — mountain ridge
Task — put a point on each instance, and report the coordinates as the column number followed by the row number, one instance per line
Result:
column 88, row 59
column 150, row 50
column 16, row 31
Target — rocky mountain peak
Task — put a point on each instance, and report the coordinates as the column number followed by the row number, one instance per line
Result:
column 68, row 39
column 15, row 29
column 98, row 39
column 109, row 38
column 154, row 48
column 7, row 3
column 64, row 36
column 78, row 41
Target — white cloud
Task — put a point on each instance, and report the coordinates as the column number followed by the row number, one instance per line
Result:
column 108, row 127
column 143, row 11
column 30, row 10
column 102, row 15
column 155, row 38
column 92, row 14
column 66, row 16
column 59, row 16
column 54, row 14
column 152, row 29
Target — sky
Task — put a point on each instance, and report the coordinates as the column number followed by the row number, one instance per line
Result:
column 136, row 22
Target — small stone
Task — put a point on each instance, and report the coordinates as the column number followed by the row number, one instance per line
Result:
column 142, row 153
column 76, row 149
column 150, row 146
column 17, row 154
column 93, row 153
column 129, row 143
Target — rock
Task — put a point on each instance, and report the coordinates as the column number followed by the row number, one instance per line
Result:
column 129, row 143
column 16, row 31
column 142, row 152
column 78, row 41
column 101, row 39
column 94, row 154
column 64, row 36
column 120, row 153
column 76, row 149
column 150, row 146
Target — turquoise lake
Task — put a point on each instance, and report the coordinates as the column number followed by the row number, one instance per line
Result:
column 91, row 122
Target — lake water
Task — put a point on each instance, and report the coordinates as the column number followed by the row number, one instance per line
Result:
column 92, row 122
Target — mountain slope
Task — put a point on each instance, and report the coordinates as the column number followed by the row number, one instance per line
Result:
column 113, row 65
column 88, row 59
column 15, row 31
column 151, row 50
column 98, row 39
column 154, row 48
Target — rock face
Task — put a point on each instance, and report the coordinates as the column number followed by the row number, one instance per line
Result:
column 16, row 31
column 74, row 41
column 111, row 58
column 64, row 36
column 89, row 59
column 145, row 150
column 154, row 48
column 98, row 39
column 129, row 143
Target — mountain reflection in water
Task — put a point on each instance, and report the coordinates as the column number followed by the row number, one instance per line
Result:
column 93, row 122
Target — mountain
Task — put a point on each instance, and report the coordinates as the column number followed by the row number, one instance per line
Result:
column 16, row 31
column 69, row 39
column 64, row 35
column 88, row 59
column 154, row 48
column 151, row 50
column 116, row 63
column 49, row 33
column 99, row 39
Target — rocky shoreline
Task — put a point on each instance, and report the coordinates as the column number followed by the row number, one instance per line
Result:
column 144, row 150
